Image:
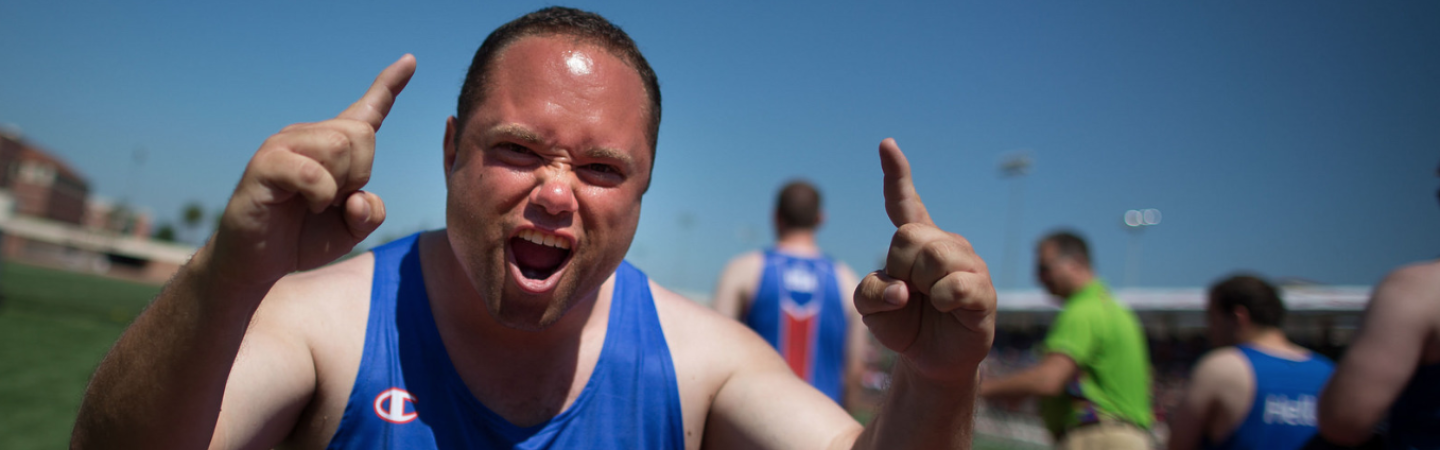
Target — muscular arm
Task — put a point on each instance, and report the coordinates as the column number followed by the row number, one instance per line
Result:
column 162, row 384
column 1044, row 379
column 736, row 285
column 1378, row 365
column 298, row 206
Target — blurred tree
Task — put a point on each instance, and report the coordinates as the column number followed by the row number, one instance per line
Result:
column 165, row 233
column 193, row 216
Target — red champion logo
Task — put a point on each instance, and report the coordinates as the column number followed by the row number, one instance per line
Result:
column 395, row 412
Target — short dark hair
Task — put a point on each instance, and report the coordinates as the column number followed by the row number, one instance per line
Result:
column 1252, row 292
column 555, row 20
column 1069, row 244
column 798, row 205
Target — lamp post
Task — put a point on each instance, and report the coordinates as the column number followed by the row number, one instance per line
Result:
column 1013, row 166
column 1136, row 220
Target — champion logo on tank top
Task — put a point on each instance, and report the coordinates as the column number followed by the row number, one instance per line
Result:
column 390, row 406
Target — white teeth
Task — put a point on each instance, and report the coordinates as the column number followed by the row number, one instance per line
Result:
column 541, row 238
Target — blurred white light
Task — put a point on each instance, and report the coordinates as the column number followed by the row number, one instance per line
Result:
column 1152, row 216
column 1134, row 218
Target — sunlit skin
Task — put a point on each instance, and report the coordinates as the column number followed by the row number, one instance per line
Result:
column 558, row 146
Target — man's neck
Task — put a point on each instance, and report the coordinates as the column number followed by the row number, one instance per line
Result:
column 1079, row 285
column 1271, row 339
column 525, row 376
column 798, row 242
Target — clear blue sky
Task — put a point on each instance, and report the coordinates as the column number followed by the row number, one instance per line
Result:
column 1297, row 139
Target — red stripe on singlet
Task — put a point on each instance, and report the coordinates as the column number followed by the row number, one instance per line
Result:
column 797, row 335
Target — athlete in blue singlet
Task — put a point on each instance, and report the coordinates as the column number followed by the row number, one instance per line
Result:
column 798, row 299
column 518, row 325
column 408, row 396
column 1260, row 391
column 1282, row 410
column 798, row 310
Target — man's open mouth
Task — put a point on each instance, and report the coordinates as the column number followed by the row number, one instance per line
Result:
column 538, row 254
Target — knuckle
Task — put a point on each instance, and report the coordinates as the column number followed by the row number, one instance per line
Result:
column 361, row 177
column 336, row 142
column 295, row 127
column 359, row 130
column 910, row 232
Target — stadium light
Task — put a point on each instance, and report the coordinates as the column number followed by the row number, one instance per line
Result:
column 1136, row 220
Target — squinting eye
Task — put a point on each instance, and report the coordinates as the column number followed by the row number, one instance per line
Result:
column 514, row 148
column 603, row 168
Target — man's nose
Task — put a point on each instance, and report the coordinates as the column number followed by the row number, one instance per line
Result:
column 555, row 194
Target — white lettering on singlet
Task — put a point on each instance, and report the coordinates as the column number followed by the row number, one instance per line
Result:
column 800, row 280
column 1281, row 409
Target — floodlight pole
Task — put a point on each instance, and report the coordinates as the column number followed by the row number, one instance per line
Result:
column 1014, row 166
column 1135, row 222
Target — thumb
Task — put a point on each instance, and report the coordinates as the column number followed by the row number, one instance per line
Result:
column 902, row 203
column 364, row 212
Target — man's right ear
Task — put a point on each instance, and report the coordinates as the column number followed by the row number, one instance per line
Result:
column 450, row 135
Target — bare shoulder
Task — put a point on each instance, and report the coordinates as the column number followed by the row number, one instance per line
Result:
column 744, row 266
column 690, row 326
column 707, row 349
column 333, row 292
column 1221, row 366
column 322, row 312
column 1415, row 281
column 753, row 258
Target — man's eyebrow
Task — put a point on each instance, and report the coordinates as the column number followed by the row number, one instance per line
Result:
column 610, row 153
column 515, row 131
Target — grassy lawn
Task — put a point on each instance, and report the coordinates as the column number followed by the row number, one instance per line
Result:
column 54, row 328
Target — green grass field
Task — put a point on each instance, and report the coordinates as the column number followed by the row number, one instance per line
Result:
column 54, row 328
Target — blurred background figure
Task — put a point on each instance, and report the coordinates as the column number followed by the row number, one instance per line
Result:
column 799, row 299
column 1095, row 375
column 1392, row 366
column 1257, row 390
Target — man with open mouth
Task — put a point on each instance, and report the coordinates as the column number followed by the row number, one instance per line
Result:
column 519, row 325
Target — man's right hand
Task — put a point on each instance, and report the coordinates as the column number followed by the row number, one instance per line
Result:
column 299, row 204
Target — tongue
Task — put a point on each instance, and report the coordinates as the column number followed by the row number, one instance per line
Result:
column 535, row 260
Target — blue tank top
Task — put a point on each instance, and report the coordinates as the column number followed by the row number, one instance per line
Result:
column 1415, row 416
column 407, row 395
column 798, row 310
column 1282, row 413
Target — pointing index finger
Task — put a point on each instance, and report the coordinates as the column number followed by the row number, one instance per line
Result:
column 902, row 203
column 377, row 101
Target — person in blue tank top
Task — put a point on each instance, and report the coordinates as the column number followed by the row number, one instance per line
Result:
column 799, row 299
column 1259, row 390
column 519, row 325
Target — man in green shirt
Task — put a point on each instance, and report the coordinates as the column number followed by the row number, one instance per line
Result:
column 1094, row 379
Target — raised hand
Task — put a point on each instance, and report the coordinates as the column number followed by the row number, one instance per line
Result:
column 299, row 204
column 933, row 303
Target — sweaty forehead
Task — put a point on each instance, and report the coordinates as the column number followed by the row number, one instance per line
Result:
column 577, row 81
column 573, row 61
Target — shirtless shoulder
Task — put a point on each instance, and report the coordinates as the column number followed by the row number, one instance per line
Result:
column 317, row 317
column 1223, row 379
column 706, row 349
